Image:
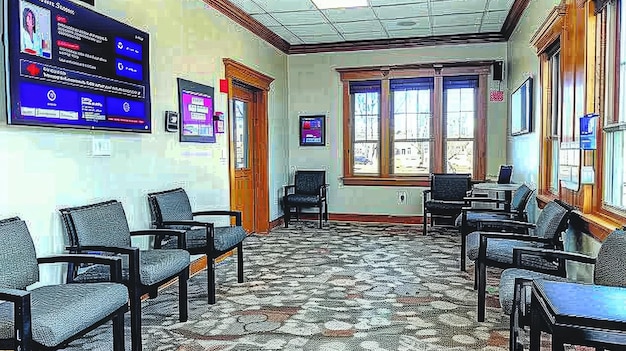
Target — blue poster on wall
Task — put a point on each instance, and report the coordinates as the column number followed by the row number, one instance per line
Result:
column 588, row 131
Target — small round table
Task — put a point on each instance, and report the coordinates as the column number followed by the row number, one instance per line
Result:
column 506, row 188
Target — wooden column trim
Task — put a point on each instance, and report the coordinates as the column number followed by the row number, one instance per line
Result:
column 551, row 29
column 480, row 133
column 437, row 125
column 347, row 134
column 385, row 131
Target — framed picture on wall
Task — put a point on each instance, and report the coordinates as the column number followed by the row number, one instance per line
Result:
column 521, row 108
column 312, row 130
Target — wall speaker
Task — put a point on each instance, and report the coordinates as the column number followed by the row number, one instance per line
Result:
column 498, row 68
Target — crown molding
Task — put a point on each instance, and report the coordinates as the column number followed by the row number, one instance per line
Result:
column 381, row 44
column 245, row 20
column 512, row 19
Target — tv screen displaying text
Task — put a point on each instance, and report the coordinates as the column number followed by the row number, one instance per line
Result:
column 69, row 66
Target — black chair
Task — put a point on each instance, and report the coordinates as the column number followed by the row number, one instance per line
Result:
column 515, row 283
column 495, row 249
column 50, row 317
column 445, row 198
column 102, row 227
column 309, row 190
column 172, row 209
column 468, row 220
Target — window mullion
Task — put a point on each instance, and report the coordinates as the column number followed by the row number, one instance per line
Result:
column 437, row 136
column 385, row 129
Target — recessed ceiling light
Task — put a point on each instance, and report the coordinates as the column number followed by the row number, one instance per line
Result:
column 406, row 23
column 339, row 4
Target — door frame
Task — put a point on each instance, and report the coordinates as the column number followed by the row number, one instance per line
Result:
column 260, row 84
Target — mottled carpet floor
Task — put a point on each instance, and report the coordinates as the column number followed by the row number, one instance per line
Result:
column 345, row 287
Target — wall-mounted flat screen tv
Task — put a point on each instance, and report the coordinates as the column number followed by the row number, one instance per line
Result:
column 68, row 66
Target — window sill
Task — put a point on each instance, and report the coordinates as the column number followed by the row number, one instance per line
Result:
column 599, row 225
column 420, row 181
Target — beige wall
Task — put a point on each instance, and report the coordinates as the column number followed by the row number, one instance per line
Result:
column 314, row 87
column 44, row 169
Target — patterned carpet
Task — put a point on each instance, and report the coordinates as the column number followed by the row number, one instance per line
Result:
column 347, row 287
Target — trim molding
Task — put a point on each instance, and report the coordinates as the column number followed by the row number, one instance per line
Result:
column 397, row 43
column 277, row 222
column 512, row 19
column 245, row 20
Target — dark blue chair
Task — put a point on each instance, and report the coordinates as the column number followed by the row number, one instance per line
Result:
column 444, row 200
column 309, row 190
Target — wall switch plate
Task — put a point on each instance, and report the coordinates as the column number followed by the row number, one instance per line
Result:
column 402, row 199
column 100, row 146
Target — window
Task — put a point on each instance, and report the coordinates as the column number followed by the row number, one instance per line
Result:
column 614, row 168
column 401, row 124
column 460, row 95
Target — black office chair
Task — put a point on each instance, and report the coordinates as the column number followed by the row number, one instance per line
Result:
column 445, row 198
column 309, row 190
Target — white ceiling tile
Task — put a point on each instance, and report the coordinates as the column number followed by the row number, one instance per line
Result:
column 301, row 17
column 457, row 20
column 409, row 33
column 491, row 27
column 495, row 17
column 326, row 38
column 420, row 22
column 394, row 2
column 286, row 34
column 266, row 20
column 248, row 5
column 457, row 6
column 466, row 29
column 312, row 29
column 366, row 35
column 496, row 5
column 285, row 5
column 402, row 11
column 359, row 27
column 349, row 15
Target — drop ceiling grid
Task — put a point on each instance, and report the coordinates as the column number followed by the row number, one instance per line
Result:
column 301, row 22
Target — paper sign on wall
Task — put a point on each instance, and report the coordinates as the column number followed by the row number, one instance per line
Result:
column 496, row 96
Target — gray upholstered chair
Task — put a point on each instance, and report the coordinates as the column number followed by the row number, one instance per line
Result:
column 467, row 221
column 309, row 190
column 515, row 288
column 495, row 249
column 49, row 317
column 445, row 198
column 102, row 227
column 172, row 209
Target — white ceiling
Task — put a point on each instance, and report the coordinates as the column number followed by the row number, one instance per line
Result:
column 301, row 22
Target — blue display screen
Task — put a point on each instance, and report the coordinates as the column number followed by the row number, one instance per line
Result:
column 68, row 66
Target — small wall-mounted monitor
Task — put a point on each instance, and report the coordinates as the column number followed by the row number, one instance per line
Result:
column 313, row 130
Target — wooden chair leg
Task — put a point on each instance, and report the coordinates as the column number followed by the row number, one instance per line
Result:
column 118, row 332
column 515, row 315
column 326, row 211
column 240, row 262
column 287, row 213
column 463, row 251
column 210, row 269
column 183, row 304
column 425, row 222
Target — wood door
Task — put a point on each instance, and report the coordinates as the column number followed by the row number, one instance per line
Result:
column 243, row 108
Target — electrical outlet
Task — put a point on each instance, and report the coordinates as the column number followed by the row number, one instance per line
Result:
column 402, row 199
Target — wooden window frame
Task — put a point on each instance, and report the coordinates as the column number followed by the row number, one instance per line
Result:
column 610, row 114
column 438, row 71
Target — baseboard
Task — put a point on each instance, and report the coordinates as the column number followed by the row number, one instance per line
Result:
column 368, row 218
column 277, row 222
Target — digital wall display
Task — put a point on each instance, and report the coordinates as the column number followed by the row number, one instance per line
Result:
column 312, row 130
column 196, row 112
column 68, row 66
